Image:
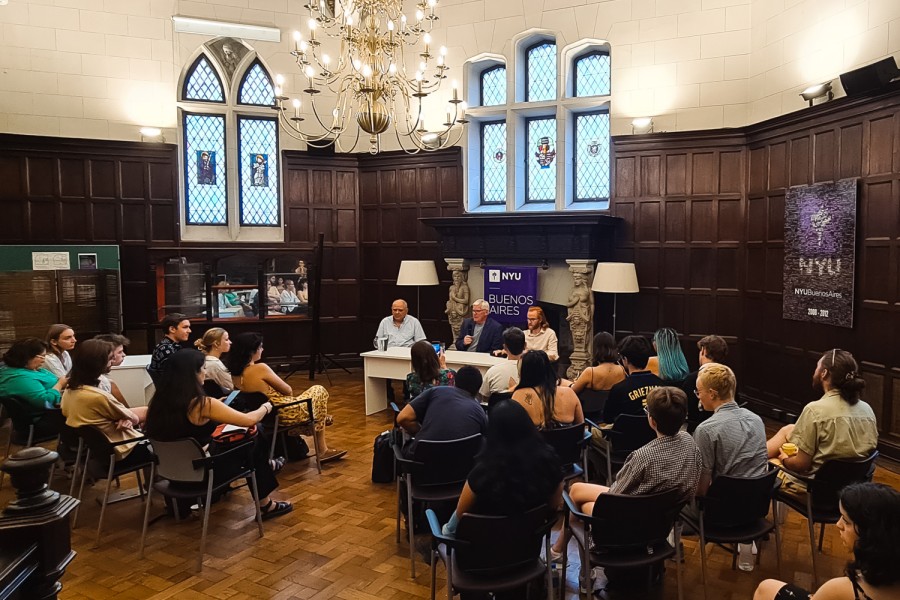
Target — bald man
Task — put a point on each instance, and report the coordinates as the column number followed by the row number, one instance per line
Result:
column 401, row 329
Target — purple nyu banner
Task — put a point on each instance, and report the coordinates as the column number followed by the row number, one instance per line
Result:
column 819, row 252
column 510, row 291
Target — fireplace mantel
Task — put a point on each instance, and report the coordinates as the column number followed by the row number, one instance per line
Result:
column 531, row 236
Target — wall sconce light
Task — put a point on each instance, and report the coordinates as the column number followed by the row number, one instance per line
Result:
column 642, row 125
column 152, row 134
column 820, row 90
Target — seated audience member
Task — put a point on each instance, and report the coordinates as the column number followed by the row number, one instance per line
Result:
column 303, row 291
column 629, row 397
column 214, row 343
column 252, row 376
column 273, row 295
column 228, row 298
column 870, row 527
column 501, row 377
column 539, row 335
column 22, row 376
column 606, row 371
column 176, row 330
column 290, row 302
column 60, row 341
column 549, row 404
column 516, row 472
column 429, row 369
column 401, row 329
column 445, row 413
column 671, row 365
column 481, row 333
column 84, row 403
column 713, row 349
column 179, row 409
column 838, row 425
column 119, row 343
column 733, row 440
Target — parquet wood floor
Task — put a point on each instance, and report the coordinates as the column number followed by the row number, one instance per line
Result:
column 339, row 540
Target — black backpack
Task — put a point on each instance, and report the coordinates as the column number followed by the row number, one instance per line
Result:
column 383, row 458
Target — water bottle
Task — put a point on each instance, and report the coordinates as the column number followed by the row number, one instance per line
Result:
column 745, row 557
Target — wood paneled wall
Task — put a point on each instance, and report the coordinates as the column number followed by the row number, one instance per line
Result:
column 705, row 214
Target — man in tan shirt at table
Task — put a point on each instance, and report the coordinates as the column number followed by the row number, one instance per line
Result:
column 539, row 335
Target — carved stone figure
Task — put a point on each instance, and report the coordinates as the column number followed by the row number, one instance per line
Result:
column 458, row 302
column 580, row 318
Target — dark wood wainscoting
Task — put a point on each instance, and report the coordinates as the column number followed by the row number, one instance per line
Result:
column 704, row 216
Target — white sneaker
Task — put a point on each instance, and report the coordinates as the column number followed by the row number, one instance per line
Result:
column 595, row 574
column 755, row 551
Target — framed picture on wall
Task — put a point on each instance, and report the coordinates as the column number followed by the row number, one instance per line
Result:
column 87, row 261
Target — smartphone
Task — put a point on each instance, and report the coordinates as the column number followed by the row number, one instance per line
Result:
column 231, row 397
column 438, row 347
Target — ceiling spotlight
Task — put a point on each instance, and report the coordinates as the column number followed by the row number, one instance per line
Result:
column 642, row 125
column 152, row 134
column 820, row 90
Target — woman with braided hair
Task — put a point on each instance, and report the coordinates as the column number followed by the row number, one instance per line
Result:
column 840, row 425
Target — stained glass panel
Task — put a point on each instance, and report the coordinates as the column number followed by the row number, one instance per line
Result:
column 258, row 160
column 592, row 156
column 493, row 86
column 541, row 153
column 203, row 83
column 206, row 198
column 257, row 87
column 592, row 75
column 493, row 163
column 542, row 73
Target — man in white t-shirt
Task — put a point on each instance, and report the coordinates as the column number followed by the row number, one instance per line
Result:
column 497, row 379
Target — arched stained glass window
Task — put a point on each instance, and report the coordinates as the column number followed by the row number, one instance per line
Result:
column 493, row 86
column 202, row 83
column 206, row 191
column 541, row 72
column 256, row 88
column 592, row 76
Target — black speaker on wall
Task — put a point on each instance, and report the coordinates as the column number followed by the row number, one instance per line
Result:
column 870, row 77
column 320, row 150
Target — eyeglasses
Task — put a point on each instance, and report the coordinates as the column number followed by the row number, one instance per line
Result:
column 478, row 310
column 646, row 410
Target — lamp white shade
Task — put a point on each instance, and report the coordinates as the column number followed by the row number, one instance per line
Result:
column 417, row 272
column 615, row 278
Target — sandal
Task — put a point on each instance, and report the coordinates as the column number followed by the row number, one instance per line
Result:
column 332, row 454
column 277, row 463
column 274, row 509
column 329, row 420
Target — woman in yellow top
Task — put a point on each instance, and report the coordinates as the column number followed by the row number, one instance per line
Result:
column 252, row 376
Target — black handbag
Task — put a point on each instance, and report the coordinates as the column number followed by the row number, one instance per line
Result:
column 383, row 458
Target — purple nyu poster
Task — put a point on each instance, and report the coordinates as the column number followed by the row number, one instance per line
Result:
column 510, row 291
column 819, row 252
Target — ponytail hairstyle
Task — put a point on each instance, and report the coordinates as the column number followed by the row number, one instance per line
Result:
column 672, row 363
column 212, row 336
column 843, row 374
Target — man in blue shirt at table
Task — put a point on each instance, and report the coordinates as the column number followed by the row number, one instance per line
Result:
column 480, row 333
column 402, row 331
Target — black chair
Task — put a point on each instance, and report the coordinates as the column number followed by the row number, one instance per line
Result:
column 820, row 503
column 30, row 427
column 93, row 443
column 436, row 473
column 734, row 511
column 569, row 443
column 310, row 423
column 493, row 553
column 188, row 473
column 496, row 398
column 212, row 389
column 627, row 532
column 592, row 403
column 628, row 433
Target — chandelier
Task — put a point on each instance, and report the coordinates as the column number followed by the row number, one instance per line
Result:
column 368, row 77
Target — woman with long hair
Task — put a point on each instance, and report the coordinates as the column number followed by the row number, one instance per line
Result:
column 251, row 375
column 548, row 404
column 870, row 527
column 179, row 409
column 669, row 364
column 85, row 403
column 23, row 377
column 429, row 369
column 515, row 472
column 60, row 341
column 605, row 370
column 214, row 343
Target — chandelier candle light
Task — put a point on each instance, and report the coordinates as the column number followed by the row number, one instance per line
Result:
column 369, row 77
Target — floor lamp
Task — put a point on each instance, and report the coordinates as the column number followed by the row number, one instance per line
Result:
column 417, row 273
column 615, row 278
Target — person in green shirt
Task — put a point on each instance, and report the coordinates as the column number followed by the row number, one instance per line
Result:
column 22, row 377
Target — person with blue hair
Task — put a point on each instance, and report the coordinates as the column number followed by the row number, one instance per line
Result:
column 670, row 365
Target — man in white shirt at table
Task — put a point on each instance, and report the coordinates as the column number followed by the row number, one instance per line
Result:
column 402, row 330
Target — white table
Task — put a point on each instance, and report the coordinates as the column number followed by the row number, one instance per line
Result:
column 133, row 379
column 394, row 363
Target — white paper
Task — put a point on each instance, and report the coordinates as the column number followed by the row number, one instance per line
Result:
column 50, row 261
column 230, row 428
